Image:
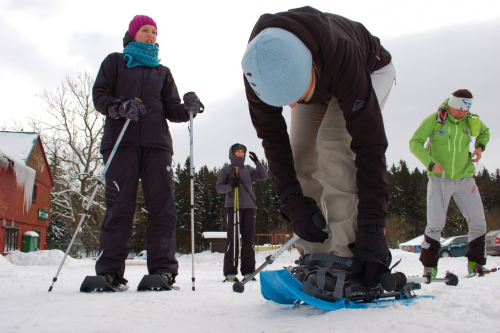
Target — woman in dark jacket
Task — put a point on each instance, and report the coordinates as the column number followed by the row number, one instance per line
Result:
column 227, row 181
column 340, row 76
column 134, row 85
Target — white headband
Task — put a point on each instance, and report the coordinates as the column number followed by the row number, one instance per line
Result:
column 460, row 103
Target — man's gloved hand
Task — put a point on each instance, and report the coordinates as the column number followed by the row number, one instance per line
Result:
column 130, row 109
column 306, row 218
column 191, row 102
column 253, row 157
column 235, row 182
column 371, row 238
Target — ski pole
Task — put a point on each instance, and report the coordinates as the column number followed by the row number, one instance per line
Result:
column 192, row 194
column 401, row 279
column 89, row 203
column 191, row 176
column 235, row 203
column 239, row 287
column 238, row 216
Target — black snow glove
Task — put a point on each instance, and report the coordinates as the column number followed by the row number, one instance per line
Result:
column 192, row 103
column 253, row 157
column 235, row 182
column 371, row 238
column 306, row 219
column 112, row 108
column 131, row 108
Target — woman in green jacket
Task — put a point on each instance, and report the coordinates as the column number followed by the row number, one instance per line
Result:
column 450, row 170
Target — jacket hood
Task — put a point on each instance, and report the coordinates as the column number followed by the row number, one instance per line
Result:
column 237, row 161
column 127, row 39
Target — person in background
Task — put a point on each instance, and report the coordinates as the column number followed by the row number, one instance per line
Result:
column 450, row 170
column 227, row 181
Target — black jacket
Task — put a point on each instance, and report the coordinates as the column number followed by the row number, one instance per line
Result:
column 345, row 54
column 155, row 86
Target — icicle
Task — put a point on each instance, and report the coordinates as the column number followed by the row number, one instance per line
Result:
column 25, row 177
column 4, row 162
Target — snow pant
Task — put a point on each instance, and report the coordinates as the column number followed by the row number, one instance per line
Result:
column 247, row 231
column 468, row 199
column 153, row 167
column 325, row 167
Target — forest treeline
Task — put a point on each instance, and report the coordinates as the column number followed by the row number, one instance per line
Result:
column 406, row 220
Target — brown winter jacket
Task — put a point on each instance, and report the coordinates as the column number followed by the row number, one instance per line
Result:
column 345, row 54
column 155, row 86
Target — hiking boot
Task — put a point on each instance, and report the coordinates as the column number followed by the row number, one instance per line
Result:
column 231, row 278
column 114, row 282
column 431, row 272
column 248, row 275
column 475, row 268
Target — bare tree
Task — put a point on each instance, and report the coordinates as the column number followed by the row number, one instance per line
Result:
column 72, row 131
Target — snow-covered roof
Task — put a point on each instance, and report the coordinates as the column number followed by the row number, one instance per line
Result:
column 415, row 241
column 15, row 148
column 31, row 233
column 214, row 234
column 18, row 144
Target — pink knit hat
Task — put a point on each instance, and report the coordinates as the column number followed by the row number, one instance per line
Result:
column 138, row 21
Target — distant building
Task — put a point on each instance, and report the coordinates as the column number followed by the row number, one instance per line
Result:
column 25, row 188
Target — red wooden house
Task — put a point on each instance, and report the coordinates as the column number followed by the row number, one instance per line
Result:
column 25, row 188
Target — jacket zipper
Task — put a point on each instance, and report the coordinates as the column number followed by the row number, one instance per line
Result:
column 142, row 99
column 454, row 150
column 460, row 142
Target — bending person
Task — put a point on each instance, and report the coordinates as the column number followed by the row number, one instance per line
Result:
column 336, row 77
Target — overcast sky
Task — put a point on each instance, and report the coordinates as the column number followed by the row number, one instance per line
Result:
column 437, row 48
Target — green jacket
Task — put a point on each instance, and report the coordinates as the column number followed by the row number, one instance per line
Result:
column 449, row 145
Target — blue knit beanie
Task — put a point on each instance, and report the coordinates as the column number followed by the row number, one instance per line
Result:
column 278, row 65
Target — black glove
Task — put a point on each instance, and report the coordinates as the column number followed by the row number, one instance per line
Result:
column 253, row 157
column 235, row 182
column 306, row 219
column 112, row 108
column 371, row 238
column 130, row 109
column 191, row 102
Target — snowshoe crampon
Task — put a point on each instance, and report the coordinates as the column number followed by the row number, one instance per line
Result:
column 157, row 282
column 99, row 283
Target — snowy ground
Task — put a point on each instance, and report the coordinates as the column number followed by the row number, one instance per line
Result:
column 26, row 306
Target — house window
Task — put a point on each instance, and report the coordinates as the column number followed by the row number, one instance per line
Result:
column 33, row 198
column 11, row 237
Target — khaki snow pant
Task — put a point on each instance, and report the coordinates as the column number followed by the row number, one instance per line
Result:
column 325, row 168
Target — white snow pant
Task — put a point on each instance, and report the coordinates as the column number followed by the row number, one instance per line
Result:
column 325, row 168
column 468, row 199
